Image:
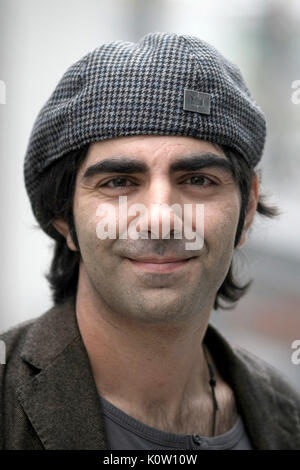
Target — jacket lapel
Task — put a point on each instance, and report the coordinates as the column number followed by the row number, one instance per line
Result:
column 61, row 401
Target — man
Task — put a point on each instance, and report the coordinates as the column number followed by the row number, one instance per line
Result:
column 126, row 358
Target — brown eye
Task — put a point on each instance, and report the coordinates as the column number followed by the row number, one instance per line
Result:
column 119, row 182
column 200, row 180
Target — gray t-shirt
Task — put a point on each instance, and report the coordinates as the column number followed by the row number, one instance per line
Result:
column 124, row 432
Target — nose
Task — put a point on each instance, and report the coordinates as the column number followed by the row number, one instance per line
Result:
column 163, row 213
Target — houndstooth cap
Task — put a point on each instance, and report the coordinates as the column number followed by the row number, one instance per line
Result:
column 165, row 84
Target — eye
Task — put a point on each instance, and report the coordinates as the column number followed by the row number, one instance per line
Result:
column 200, row 180
column 117, row 182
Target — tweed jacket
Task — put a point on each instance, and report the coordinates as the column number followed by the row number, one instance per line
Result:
column 49, row 398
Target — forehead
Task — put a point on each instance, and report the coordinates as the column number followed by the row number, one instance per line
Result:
column 151, row 149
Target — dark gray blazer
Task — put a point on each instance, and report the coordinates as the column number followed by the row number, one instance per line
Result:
column 49, row 398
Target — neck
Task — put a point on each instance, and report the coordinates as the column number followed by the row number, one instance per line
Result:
column 145, row 364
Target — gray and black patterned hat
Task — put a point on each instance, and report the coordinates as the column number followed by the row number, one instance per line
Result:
column 165, row 84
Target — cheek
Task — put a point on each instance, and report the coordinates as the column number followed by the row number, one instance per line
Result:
column 92, row 221
column 220, row 223
column 87, row 221
column 219, row 234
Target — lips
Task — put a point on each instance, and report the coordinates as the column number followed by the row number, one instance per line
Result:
column 153, row 264
column 155, row 260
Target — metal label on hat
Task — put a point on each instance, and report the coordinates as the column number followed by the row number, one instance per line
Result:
column 196, row 101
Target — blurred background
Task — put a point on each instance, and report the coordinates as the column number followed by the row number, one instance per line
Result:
column 40, row 39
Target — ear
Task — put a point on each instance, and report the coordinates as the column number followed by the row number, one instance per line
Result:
column 63, row 228
column 251, row 210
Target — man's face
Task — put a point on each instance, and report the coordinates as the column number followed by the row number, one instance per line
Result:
column 147, row 292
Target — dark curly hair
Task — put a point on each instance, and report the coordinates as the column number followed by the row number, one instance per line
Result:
column 54, row 199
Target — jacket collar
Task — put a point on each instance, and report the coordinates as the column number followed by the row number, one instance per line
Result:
column 63, row 404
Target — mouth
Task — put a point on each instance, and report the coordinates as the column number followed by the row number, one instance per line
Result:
column 162, row 265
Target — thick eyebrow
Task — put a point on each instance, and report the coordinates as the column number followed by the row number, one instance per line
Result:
column 197, row 162
column 130, row 166
column 116, row 165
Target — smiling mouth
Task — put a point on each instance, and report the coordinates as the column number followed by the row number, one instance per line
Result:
column 159, row 266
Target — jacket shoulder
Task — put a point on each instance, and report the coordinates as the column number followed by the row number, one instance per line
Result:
column 14, row 337
column 29, row 347
column 39, row 340
column 13, row 373
column 278, row 381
